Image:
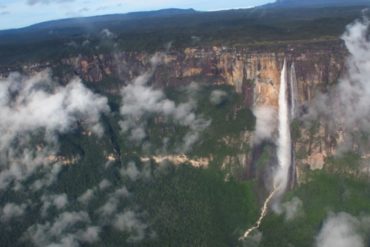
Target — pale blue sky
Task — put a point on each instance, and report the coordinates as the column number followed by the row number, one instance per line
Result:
column 20, row 13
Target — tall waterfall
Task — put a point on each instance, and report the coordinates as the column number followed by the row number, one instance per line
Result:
column 293, row 115
column 285, row 174
column 284, row 144
column 293, row 92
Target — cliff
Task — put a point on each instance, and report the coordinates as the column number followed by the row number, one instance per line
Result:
column 253, row 72
column 317, row 66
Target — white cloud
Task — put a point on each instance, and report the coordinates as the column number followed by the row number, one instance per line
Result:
column 104, row 184
column 265, row 123
column 292, row 208
column 86, row 197
column 347, row 106
column 217, row 97
column 128, row 222
column 62, row 231
column 114, row 200
column 107, row 34
column 37, row 102
column 131, row 171
column 57, row 201
column 37, row 108
column 90, row 235
column 340, row 230
column 12, row 210
column 140, row 101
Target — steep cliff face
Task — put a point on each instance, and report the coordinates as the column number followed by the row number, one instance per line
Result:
column 254, row 73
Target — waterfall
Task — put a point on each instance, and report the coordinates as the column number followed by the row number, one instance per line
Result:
column 285, row 174
column 284, row 145
column 293, row 115
column 293, row 92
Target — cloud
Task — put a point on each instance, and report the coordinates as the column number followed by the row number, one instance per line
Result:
column 37, row 102
column 141, row 101
column 292, row 209
column 90, row 235
column 62, row 231
column 128, row 222
column 114, row 199
column 33, row 2
column 37, row 110
column 217, row 97
column 347, row 106
column 107, row 34
column 57, row 201
column 253, row 240
column 265, row 123
column 341, row 230
column 12, row 210
column 132, row 172
column 104, row 184
column 86, row 197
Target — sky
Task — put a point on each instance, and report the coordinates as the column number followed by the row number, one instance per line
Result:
column 21, row 13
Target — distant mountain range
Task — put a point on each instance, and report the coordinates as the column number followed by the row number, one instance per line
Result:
column 78, row 21
column 317, row 3
column 171, row 12
column 81, row 25
column 150, row 30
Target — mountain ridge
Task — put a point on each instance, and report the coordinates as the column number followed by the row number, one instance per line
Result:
column 109, row 17
column 316, row 3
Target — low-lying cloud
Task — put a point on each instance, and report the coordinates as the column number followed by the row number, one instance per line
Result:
column 61, row 231
column 266, row 122
column 37, row 102
column 36, row 110
column 141, row 101
column 217, row 97
column 129, row 222
column 292, row 209
column 11, row 211
column 342, row 230
column 347, row 106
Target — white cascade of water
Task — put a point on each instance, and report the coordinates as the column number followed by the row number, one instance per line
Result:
column 284, row 145
column 293, row 92
column 293, row 115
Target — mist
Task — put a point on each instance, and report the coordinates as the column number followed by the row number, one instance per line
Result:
column 346, row 107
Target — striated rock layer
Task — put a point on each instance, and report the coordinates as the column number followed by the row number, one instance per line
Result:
column 253, row 72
